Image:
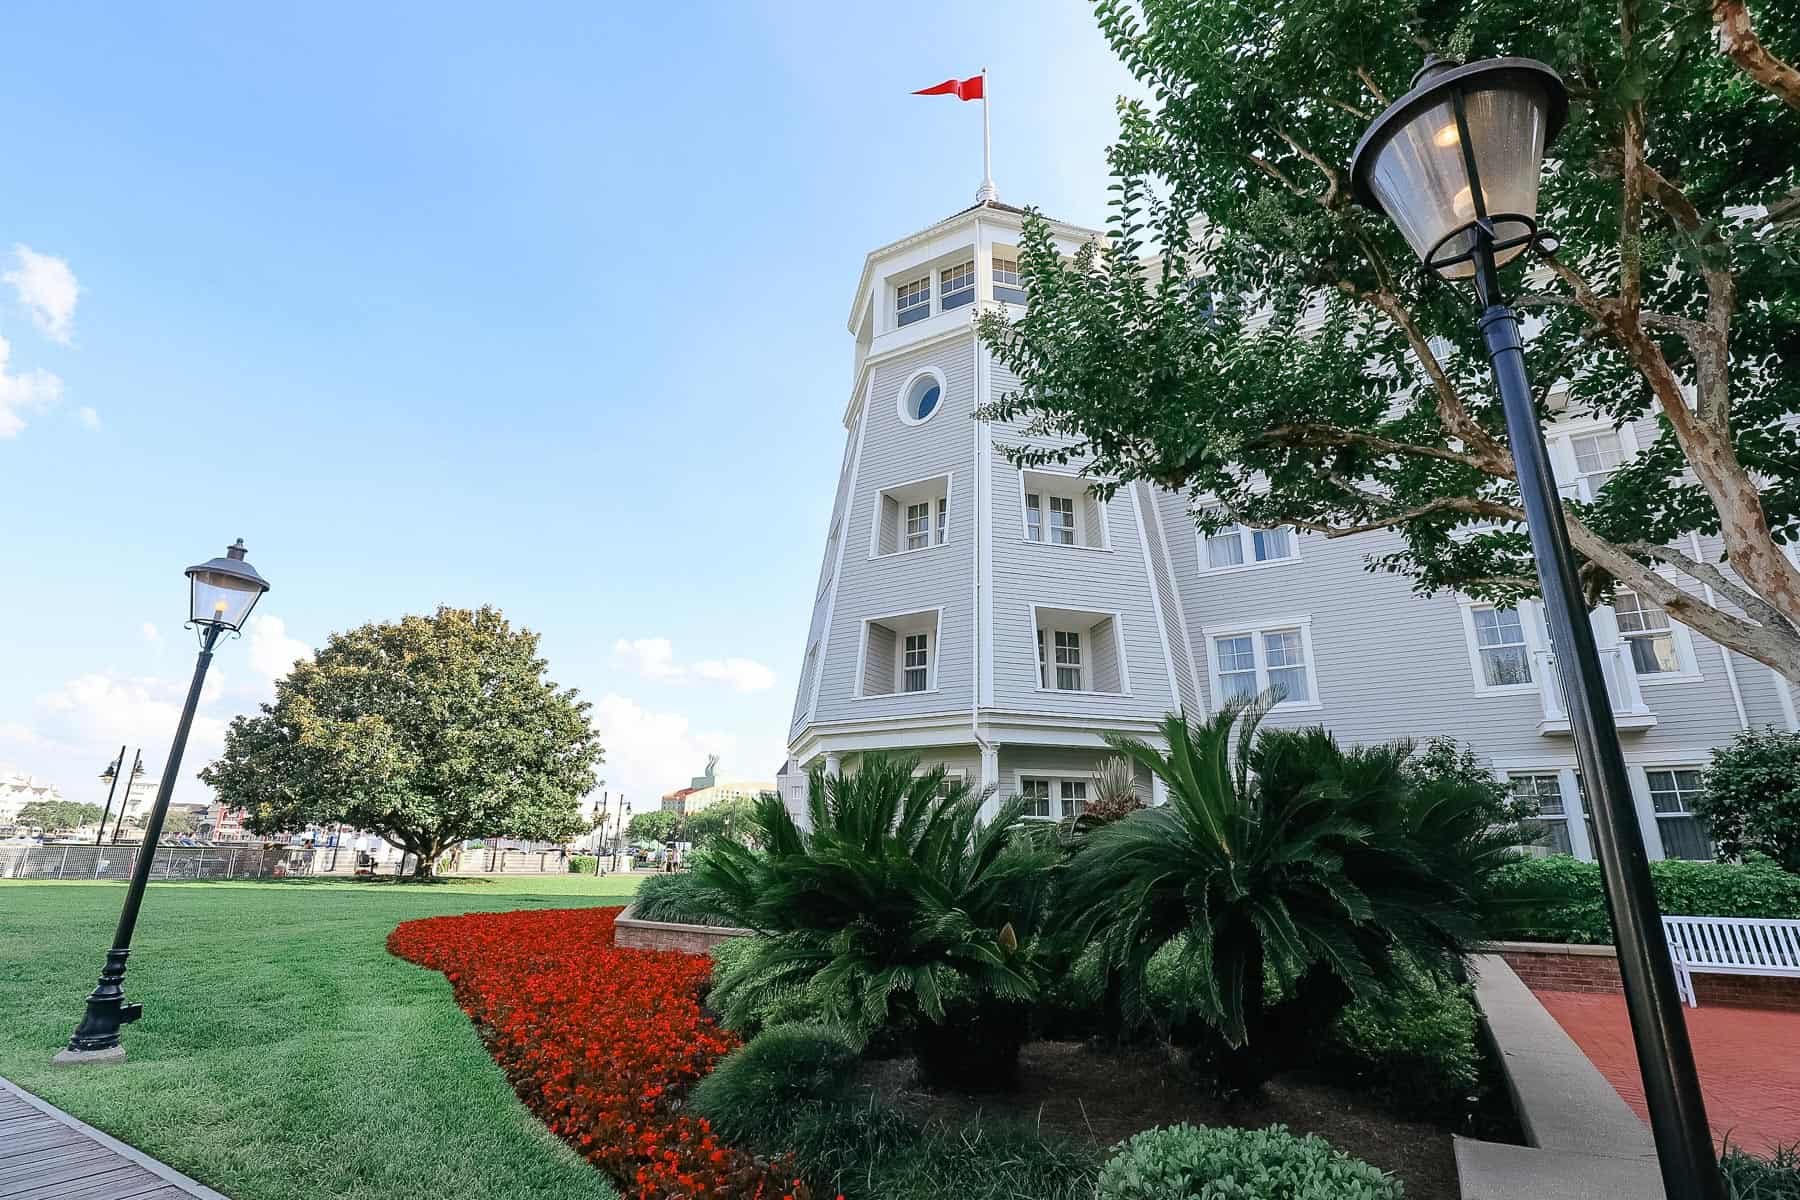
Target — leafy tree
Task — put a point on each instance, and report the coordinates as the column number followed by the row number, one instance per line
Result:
column 1284, row 359
column 53, row 816
column 427, row 731
column 1286, row 855
column 1751, row 801
column 728, row 818
column 899, row 900
column 176, row 822
column 657, row 826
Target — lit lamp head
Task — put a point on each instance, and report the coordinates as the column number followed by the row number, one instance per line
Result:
column 1463, row 149
column 224, row 590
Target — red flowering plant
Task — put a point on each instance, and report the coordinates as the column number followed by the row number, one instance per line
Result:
column 602, row 1043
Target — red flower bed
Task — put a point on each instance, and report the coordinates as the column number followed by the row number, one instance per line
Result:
column 602, row 1043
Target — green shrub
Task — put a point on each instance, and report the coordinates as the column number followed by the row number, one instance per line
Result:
column 1181, row 1162
column 1751, row 800
column 1558, row 899
column 582, row 864
column 757, row 1091
column 673, row 898
column 1416, row 1042
column 1749, row 1177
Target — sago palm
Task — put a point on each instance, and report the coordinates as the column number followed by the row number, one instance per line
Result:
column 1280, row 854
column 897, row 898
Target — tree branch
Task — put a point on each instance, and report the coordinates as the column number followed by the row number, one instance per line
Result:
column 1754, row 606
column 1368, row 81
column 1453, row 414
column 1333, row 435
column 1739, row 43
column 1334, row 192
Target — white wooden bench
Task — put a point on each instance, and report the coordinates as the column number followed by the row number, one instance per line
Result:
column 1730, row 946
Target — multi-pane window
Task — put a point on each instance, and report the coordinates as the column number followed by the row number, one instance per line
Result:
column 1007, row 284
column 1073, row 795
column 956, row 286
column 1036, row 793
column 1234, row 545
column 943, row 522
column 1237, row 667
column 1068, row 660
column 912, row 301
column 916, row 663
column 1034, row 517
column 1544, row 794
column 1252, row 662
column 918, row 525
column 1672, row 794
column 1500, row 641
column 1597, row 456
column 1059, row 529
column 1052, row 798
column 1645, row 628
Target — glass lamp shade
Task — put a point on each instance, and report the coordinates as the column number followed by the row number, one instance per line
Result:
column 1413, row 164
column 224, row 590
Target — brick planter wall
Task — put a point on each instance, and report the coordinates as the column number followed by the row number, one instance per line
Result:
column 633, row 933
column 1552, row 967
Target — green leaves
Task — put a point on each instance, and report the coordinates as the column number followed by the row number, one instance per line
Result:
column 428, row 731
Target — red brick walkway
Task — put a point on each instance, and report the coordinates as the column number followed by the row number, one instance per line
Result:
column 1749, row 1062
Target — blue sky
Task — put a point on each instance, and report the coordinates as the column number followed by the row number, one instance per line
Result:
column 540, row 306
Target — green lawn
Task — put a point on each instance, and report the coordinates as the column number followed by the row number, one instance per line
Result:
column 283, row 1054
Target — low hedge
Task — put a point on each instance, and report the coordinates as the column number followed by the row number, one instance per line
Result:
column 1184, row 1162
column 672, row 898
column 757, row 1091
column 1558, row 898
column 582, row 864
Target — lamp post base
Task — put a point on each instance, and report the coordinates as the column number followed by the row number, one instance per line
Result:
column 84, row 1058
column 107, row 1010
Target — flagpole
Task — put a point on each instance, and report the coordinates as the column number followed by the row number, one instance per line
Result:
column 988, row 192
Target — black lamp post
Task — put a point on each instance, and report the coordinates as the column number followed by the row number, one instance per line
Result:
column 111, row 775
column 222, row 593
column 1455, row 163
column 137, row 769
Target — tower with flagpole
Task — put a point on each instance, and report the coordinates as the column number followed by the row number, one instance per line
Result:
column 974, row 88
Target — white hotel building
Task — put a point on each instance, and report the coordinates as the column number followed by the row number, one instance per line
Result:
column 999, row 620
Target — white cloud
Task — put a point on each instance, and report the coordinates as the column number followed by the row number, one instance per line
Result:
column 89, row 417
column 654, row 658
column 272, row 652
column 151, row 634
column 33, row 392
column 46, row 287
column 649, row 753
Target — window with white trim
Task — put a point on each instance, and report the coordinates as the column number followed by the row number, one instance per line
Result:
column 1079, row 651
column 1247, row 662
column 1236, row 545
column 899, row 655
column 1597, row 456
column 1672, row 794
column 1008, row 286
column 912, row 516
column 1062, row 510
column 912, row 301
column 1646, row 631
column 1501, row 645
column 1051, row 798
column 956, row 285
column 1543, row 792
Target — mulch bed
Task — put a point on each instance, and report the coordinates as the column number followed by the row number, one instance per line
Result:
column 1085, row 1093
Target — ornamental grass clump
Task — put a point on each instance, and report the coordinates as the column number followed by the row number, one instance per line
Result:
column 898, row 903
column 1184, row 1162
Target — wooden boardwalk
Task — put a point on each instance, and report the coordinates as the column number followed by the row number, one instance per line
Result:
column 45, row 1154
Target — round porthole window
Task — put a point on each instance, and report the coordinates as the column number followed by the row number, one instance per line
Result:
column 921, row 397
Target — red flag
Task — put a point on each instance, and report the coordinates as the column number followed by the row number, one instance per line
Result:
column 962, row 89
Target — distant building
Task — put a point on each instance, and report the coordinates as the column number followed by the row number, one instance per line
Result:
column 16, row 791
column 706, row 790
column 675, row 801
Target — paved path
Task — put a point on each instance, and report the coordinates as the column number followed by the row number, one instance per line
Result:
column 45, row 1154
column 1749, row 1061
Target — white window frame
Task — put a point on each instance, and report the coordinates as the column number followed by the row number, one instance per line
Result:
column 1054, row 625
column 1687, row 669
column 1567, row 819
column 1056, row 781
column 1301, row 624
column 1559, row 439
column 1070, row 485
column 925, row 638
column 1004, row 254
column 1528, row 621
column 900, row 408
column 937, row 527
column 1650, row 798
column 945, row 292
column 906, row 284
column 1246, row 546
column 933, row 650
